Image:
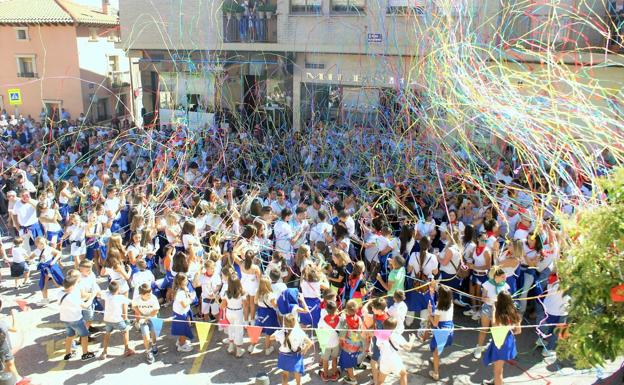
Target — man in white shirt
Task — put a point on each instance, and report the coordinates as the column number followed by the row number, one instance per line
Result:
column 25, row 211
column 300, row 226
column 317, row 233
column 280, row 203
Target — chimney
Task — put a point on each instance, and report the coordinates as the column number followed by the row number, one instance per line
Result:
column 105, row 4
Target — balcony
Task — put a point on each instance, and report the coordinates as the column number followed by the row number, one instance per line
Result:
column 255, row 26
column 616, row 24
column 27, row 75
column 119, row 79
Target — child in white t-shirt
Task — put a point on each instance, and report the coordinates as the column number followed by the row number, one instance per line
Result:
column 294, row 343
column 116, row 318
column 89, row 289
column 71, row 306
column 332, row 349
column 141, row 277
column 210, row 283
column 19, row 264
column 398, row 310
column 146, row 306
column 390, row 361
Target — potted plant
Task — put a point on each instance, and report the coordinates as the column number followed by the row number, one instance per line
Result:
column 232, row 7
column 268, row 9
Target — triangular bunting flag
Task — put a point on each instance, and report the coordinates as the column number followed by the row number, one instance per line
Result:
column 203, row 329
column 323, row 337
column 383, row 335
column 23, row 305
column 157, row 323
column 254, row 333
column 499, row 334
column 441, row 337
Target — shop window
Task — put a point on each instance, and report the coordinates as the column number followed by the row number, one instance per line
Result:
column 305, row 6
column 406, row 7
column 348, row 6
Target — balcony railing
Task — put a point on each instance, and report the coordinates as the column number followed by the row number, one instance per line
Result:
column 259, row 27
column 27, row 75
column 616, row 40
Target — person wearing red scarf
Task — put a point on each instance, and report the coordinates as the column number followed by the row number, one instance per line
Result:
column 351, row 342
column 331, row 350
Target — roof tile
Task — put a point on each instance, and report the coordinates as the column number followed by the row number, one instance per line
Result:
column 52, row 12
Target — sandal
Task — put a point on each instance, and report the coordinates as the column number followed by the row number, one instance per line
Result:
column 128, row 352
column 434, row 375
column 103, row 356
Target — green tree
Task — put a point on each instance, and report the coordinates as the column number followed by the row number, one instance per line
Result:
column 594, row 264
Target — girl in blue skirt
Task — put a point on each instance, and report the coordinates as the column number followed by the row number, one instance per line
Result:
column 441, row 318
column 505, row 314
column 182, row 314
column 266, row 315
column 294, row 343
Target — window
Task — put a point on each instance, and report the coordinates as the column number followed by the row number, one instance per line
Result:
column 113, row 63
column 102, row 109
column 348, row 6
column 22, row 33
column 120, row 106
column 406, row 7
column 26, row 67
column 305, row 6
column 93, row 34
column 112, row 36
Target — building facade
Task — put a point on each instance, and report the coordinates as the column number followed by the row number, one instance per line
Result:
column 296, row 61
column 60, row 55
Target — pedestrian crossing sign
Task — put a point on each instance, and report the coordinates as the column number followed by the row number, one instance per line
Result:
column 15, row 97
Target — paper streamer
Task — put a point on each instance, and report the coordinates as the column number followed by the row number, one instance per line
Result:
column 203, row 329
column 499, row 334
column 157, row 323
column 383, row 335
column 441, row 337
column 254, row 333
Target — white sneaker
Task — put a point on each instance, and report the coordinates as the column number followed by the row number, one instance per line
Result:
column 251, row 348
column 43, row 302
column 231, row 348
column 460, row 303
column 477, row 352
column 186, row 347
column 269, row 351
column 239, row 352
column 469, row 312
column 476, row 316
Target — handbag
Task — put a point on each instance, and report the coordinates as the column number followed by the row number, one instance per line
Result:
column 462, row 271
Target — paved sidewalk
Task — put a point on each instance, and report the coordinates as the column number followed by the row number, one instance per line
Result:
column 41, row 349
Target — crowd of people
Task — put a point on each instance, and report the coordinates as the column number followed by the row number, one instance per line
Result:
column 202, row 226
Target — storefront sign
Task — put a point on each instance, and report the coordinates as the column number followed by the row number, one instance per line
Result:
column 374, row 38
column 373, row 80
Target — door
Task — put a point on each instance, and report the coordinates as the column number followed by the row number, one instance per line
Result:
column 53, row 110
column 102, row 107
